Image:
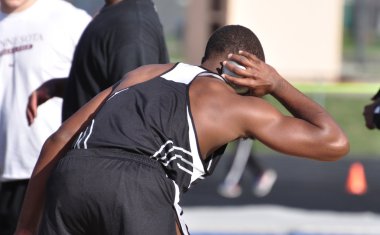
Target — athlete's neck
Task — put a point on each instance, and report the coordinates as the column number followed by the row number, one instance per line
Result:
column 213, row 65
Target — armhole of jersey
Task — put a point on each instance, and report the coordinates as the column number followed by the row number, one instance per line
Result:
column 210, row 74
column 209, row 162
column 192, row 124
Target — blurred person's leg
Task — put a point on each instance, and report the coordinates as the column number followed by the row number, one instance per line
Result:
column 230, row 186
column 263, row 180
column 11, row 198
column 254, row 165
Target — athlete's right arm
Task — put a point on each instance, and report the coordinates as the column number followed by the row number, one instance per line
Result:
column 51, row 152
column 311, row 132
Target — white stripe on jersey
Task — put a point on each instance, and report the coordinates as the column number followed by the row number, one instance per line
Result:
column 171, row 150
column 89, row 134
column 161, row 148
column 179, row 211
column 117, row 92
column 183, row 168
column 84, row 135
column 209, row 165
column 197, row 161
column 177, row 156
column 79, row 139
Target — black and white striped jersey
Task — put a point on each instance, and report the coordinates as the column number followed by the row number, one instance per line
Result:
column 154, row 118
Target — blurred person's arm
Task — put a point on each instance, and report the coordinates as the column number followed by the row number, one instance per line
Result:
column 52, row 88
column 376, row 96
column 369, row 109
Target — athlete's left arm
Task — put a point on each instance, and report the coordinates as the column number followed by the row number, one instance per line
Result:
column 58, row 143
column 52, row 150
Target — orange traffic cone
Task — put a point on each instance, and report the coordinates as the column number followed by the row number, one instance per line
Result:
column 356, row 181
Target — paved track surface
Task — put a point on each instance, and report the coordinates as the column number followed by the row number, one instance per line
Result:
column 301, row 183
column 309, row 198
column 278, row 220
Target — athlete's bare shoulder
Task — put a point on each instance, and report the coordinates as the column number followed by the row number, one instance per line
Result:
column 215, row 106
column 142, row 74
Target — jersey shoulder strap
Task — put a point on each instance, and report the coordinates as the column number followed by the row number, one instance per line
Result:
column 185, row 73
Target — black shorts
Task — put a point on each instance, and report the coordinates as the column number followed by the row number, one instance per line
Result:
column 106, row 194
column 11, row 198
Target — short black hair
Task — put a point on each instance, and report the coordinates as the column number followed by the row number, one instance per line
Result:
column 231, row 39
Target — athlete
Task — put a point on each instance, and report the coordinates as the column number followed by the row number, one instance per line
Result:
column 122, row 162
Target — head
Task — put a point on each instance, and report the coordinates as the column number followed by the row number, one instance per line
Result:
column 9, row 6
column 231, row 39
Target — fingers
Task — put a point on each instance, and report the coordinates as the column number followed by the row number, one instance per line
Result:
column 236, row 69
column 29, row 117
column 234, row 80
column 31, row 108
column 247, row 77
column 246, row 59
column 238, row 75
column 251, row 83
column 250, row 56
column 258, row 76
column 242, row 60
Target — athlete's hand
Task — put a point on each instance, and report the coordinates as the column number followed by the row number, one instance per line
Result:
column 258, row 76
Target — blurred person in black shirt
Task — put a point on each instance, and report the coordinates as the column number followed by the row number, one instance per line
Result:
column 372, row 112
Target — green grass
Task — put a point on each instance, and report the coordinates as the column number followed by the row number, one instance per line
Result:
column 339, row 88
column 347, row 110
column 175, row 48
column 345, row 102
